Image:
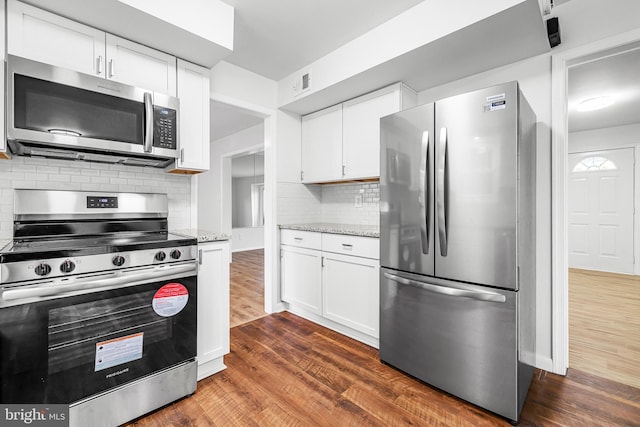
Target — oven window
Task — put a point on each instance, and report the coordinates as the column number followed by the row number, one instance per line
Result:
column 104, row 332
column 52, row 107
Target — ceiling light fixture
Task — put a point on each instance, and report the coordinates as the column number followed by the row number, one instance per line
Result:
column 596, row 103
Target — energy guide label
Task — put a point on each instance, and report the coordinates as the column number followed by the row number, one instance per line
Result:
column 118, row 351
column 170, row 299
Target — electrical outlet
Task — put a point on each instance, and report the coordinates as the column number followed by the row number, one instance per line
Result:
column 358, row 200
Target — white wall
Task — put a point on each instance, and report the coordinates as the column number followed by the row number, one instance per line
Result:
column 50, row 174
column 605, row 138
column 534, row 76
column 214, row 186
column 246, row 239
column 585, row 21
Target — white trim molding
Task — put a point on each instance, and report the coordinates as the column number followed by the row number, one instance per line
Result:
column 561, row 62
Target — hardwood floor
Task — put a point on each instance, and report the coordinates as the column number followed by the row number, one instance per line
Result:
column 286, row 371
column 604, row 325
column 246, row 286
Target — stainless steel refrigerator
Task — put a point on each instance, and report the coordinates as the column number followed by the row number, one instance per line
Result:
column 457, row 245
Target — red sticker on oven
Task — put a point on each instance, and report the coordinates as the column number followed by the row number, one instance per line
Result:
column 170, row 299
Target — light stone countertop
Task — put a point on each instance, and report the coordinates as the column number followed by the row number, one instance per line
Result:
column 332, row 228
column 203, row 236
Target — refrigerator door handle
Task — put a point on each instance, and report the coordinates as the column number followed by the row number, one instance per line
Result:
column 445, row 290
column 423, row 196
column 441, row 191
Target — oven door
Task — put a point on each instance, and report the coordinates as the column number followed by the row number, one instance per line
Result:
column 64, row 341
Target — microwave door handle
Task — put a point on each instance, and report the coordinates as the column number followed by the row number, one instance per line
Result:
column 148, row 124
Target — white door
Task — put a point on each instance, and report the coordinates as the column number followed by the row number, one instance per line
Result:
column 601, row 201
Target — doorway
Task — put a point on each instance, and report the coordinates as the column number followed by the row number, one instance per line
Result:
column 241, row 131
column 602, row 178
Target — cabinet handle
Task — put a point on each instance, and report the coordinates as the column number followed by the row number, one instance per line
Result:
column 301, row 175
column 321, row 261
column 347, row 247
column 99, row 65
column 112, row 68
column 298, row 239
column 344, row 170
column 200, row 256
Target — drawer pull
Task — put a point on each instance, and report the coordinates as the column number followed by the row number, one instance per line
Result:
column 298, row 239
column 347, row 247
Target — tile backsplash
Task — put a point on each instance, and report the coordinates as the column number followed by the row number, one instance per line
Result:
column 49, row 174
column 335, row 203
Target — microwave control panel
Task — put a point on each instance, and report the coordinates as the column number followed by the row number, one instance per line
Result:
column 164, row 128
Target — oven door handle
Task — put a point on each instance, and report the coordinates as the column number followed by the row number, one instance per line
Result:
column 118, row 279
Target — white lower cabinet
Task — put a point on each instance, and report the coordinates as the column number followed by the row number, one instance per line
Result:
column 351, row 292
column 213, row 307
column 301, row 275
column 332, row 280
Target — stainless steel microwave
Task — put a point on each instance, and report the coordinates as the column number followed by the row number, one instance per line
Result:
column 57, row 112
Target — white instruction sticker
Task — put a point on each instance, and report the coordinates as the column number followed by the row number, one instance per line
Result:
column 170, row 299
column 118, row 351
column 496, row 97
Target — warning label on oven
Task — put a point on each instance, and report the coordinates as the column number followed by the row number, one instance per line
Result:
column 118, row 351
column 170, row 299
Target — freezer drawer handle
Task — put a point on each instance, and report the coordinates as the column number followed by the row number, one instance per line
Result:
column 454, row 292
column 423, row 195
column 442, row 192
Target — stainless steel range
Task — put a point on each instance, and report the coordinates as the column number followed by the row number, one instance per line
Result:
column 97, row 305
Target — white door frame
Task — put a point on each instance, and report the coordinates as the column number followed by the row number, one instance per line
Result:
column 272, row 301
column 559, row 182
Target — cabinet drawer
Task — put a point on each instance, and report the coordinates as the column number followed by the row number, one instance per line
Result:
column 366, row 247
column 301, row 239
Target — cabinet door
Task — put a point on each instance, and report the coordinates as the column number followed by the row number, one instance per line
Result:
column 361, row 131
column 193, row 91
column 322, row 145
column 42, row 36
column 141, row 66
column 300, row 278
column 351, row 292
column 213, row 301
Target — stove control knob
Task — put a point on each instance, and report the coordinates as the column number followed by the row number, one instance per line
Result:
column 160, row 256
column 176, row 254
column 118, row 260
column 67, row 266
column 42, row 269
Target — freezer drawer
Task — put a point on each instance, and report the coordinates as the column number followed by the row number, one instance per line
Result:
column 458, row 337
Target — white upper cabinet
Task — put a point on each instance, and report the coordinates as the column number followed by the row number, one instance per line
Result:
column 137, row 65
column 193, row 91
column 342, row 142
column 361, row 130
column 42, row 36
column 322, row 145
column 45, row 37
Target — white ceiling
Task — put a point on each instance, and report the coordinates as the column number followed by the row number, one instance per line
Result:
column 276, row 38
column 617, row 75
column 227, row 120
